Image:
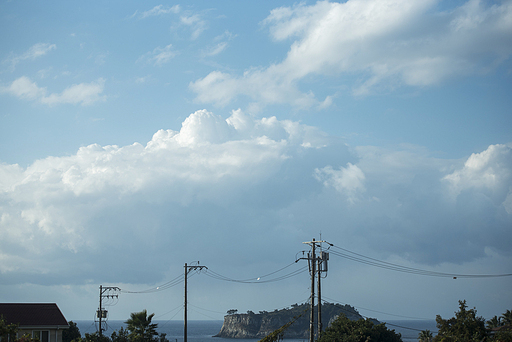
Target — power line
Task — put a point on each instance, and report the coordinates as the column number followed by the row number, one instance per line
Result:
column 381, row 312
column 197, row 307
column 201, row 313
column 258, row 280
column 391, row 324
column 400, row 326
column 176, row 281
column 165, row 313
column 345, row 253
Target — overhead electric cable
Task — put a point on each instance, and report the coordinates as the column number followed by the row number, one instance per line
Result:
column 202, row 313
column 197, row 307
column 176, row 281
column 258, row 280
column 255, row 278
column 399, row 268
column 381, row 312
column 395, row 325
column 165, row 313
column 401, row 326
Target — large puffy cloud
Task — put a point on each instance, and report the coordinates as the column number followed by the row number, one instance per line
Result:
column 488, row 172
column 391, row 42
column 76, row 207
column 239, row 186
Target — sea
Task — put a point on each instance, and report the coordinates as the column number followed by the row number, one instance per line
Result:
column 203, row 331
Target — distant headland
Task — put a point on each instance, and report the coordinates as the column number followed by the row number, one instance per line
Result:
column 259, row 325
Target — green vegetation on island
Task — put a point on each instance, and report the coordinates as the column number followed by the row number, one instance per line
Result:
column 259, row 325
column 343, row 329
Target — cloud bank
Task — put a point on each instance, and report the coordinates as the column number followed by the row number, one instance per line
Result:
column 387, row 43
column 249, row 185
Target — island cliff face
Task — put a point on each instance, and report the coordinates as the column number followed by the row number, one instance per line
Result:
column 251, row 325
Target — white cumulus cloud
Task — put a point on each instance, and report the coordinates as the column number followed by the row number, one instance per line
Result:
column 388, row 42
column 488, row 172
column 218, row 180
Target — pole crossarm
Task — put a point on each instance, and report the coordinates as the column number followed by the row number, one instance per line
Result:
column 104, row 289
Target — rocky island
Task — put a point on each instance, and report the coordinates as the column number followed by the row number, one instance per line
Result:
column 259, row 325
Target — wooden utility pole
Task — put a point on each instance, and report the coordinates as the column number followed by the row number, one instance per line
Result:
column 100, row 310
column 313, row 262
column 313, row 274
column 319, row 323
column 101, row 313
column 187, row 269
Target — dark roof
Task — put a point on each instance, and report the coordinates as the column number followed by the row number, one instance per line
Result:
column 502, row 328
column 32, row 314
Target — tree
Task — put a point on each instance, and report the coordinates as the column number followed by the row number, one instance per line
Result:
column 425, row 336
column 7, row 331
column 507, row 318
column 494, row 322
column 465, row 326
column 162, row 337
column 504, row 334
column 140, row 327
column 120, row 336
column 232, row 311
column 345, row 330
column 72, row 333
column 95, row 337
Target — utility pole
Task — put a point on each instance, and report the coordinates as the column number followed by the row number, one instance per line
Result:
column 322, row 267
column 319, row 322
column 312, row 318
column 187, row 269
column 313, row 262
column 101, row 313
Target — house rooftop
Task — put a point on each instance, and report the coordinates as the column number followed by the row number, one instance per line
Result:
column 32, row 314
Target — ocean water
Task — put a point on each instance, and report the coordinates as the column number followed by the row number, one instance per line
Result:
column 203, row 331
column 409, row 329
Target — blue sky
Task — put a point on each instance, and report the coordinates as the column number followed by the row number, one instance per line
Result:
column 136, row 137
